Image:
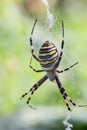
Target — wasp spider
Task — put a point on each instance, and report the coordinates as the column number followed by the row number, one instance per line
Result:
column 49, row 59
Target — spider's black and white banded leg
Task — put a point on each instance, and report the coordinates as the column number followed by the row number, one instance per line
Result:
column 30, row 65
column 34, row 88
column 62, row 46
column 61, row 71
column 31, row 42
column 64, row 94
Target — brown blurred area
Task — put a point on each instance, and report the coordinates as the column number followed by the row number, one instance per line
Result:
column 34, row 6
column 37, row 7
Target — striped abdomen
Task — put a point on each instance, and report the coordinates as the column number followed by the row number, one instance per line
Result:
column 48, row 55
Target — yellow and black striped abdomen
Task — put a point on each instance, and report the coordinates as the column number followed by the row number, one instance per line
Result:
column 48, row 55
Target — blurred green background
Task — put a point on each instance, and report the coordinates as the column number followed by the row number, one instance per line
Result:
column 16, row 21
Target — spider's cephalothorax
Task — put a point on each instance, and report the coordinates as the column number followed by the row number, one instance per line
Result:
column 49, row 60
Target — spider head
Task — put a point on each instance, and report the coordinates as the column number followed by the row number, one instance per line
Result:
column 51, row 75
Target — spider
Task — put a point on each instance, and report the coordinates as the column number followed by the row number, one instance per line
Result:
column 49, row 59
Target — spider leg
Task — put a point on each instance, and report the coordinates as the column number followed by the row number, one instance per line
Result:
column 34, row 88
column 62, row 46
column 61, row 71
column 31, row 42
column 64, row 94
column 30, row 65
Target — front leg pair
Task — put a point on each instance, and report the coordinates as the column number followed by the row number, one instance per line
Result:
column 34, row 88
column 64, row 94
